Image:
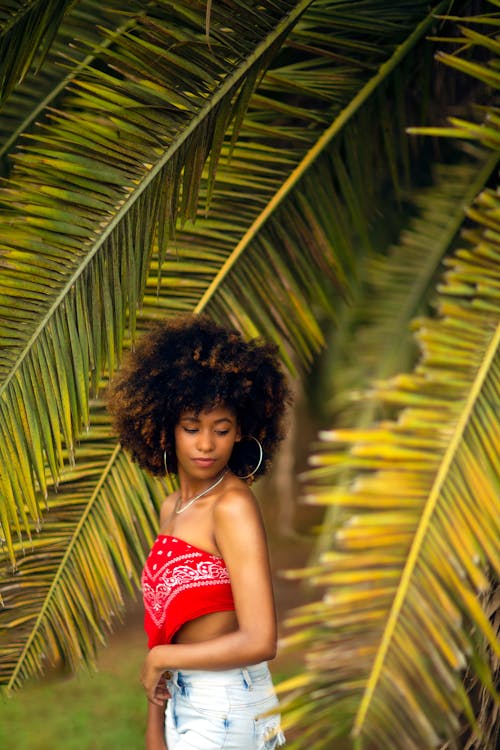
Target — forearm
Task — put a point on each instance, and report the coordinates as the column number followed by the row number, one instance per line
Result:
column 236, row 649
column 155, row 728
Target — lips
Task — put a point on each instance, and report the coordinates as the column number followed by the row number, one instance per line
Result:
column 204, row 462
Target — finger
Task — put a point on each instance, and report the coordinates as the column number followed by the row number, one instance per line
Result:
column 155, row 697
column 156, row 702
column 163, row 695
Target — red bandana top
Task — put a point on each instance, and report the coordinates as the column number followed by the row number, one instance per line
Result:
column 179, row 583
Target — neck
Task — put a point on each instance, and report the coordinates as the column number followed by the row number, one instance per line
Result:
column 190, row 486
column 184, row 503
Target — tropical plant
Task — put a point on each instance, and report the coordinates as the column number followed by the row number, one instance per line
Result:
column 402, row 649
column 179, row 156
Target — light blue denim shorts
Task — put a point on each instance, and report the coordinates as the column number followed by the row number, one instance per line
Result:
column 222, row 710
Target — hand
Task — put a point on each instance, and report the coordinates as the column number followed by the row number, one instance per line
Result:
column 154, row 681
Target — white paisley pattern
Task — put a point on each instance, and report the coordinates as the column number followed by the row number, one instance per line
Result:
column 168, row 572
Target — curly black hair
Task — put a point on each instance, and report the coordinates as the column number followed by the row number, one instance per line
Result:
column 187, row 363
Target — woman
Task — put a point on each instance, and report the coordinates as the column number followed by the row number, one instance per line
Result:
column 196, row 400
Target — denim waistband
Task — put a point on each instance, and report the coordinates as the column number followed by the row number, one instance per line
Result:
column 248, row 675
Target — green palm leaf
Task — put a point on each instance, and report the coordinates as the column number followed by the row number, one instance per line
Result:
column 148, row 143
column 81, row 36
column 27, row 29
column 420, row 530
column 72, row 574
column 374, row 337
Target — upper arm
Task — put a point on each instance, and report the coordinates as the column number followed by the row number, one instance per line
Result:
column 241, row 539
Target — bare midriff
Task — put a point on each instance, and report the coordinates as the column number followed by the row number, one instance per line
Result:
column 206, row 627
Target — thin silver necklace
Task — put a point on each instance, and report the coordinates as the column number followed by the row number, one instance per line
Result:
column 181, row 508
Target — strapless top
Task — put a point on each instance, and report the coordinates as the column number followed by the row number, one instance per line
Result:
column 179, row 583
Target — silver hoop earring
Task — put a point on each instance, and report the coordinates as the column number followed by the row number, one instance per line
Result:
column 165, row 463
column 261, row 456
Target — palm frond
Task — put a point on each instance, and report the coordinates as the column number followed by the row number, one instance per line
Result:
column 397, row 286
column 324, row 210
column 408, row 578
column 77, row 43
column 27, row 30
column 147, row 139
column 420, row 532
column 73, row 573
column 374, row 338
column 482, row 129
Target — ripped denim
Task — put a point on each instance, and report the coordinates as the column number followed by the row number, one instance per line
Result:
column 225, row 710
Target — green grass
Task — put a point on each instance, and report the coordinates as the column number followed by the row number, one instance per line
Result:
column 92, row 711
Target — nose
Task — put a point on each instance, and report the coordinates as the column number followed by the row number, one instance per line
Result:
column 205, row 441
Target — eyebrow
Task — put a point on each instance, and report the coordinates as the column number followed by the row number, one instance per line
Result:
column 197, row 419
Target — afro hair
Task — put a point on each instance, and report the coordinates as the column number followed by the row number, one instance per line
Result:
column 191, row 363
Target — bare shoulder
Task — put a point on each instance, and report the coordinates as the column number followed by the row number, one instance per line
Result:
column 236, row 503
column 237, row 520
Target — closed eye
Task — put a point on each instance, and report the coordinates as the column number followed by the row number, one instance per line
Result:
column 193, row 430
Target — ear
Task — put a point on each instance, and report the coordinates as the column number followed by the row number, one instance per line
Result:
column 238, row 435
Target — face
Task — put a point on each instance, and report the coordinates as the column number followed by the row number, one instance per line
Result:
column 204, row 441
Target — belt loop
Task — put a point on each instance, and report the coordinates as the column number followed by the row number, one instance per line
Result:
column 246, row 678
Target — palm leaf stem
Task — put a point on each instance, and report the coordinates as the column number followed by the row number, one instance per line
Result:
column 314, row 152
